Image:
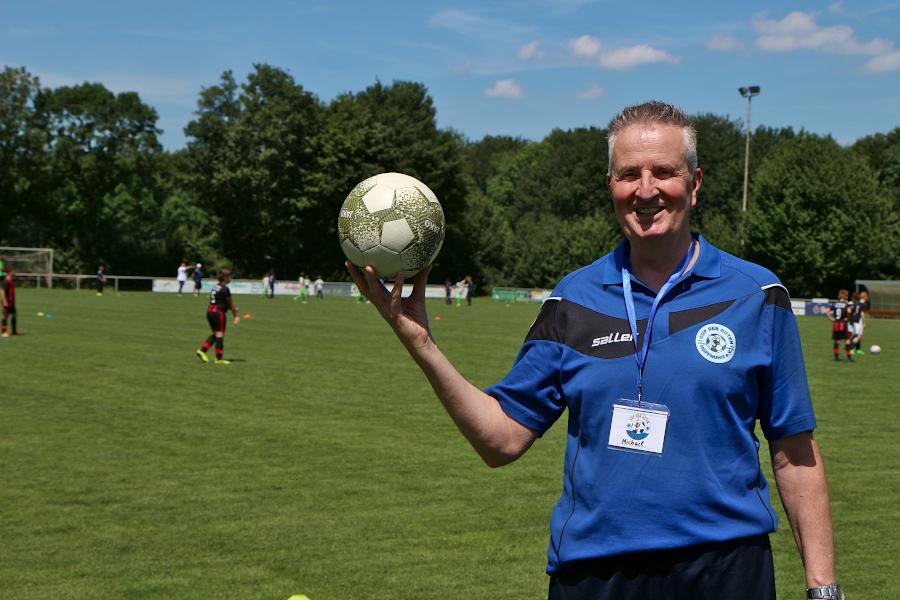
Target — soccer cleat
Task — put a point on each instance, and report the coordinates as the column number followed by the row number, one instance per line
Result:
column 222, row 361
column 5, row 334
column 203, row 356
column 859, row 352
column 837, row 358
column 850, row 357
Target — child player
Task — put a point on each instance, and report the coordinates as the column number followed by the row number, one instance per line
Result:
column 839, row 314
column 8, row 296
column 220, row 302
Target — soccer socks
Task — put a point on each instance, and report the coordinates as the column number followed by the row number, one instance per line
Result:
column 220, row 347
column 208, row 343
column 837, row 351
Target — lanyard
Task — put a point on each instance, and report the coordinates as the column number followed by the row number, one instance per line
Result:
column 641, row 352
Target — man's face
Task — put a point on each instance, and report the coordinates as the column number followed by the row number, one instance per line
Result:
column 651, row 185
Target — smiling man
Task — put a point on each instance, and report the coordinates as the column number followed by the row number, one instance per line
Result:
column 666, row 353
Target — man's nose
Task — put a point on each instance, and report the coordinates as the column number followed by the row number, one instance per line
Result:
column 647, row 186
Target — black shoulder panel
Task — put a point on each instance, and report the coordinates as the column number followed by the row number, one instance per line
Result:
column 778, row 296
column 545, row 326
column 584, row 330
column 683, row 319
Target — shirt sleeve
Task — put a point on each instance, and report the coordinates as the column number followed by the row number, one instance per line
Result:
column 531, row 392
column 785, row 403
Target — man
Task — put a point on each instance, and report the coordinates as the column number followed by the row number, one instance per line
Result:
column 220, row 302
column 861, row 308
column 8, row 300
column 181, row 275
column 839, row 314
column 100, row 279
column 198, row 279
column 663, row 495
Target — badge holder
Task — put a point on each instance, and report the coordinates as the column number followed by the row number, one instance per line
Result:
column 638, row 427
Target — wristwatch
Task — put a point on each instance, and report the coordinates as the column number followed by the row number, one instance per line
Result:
column 832, row 591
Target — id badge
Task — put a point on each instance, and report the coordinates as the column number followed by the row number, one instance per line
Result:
column 638, row 427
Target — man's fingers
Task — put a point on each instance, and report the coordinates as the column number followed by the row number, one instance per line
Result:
column 397, row 295
column 357, row 278
column 421, row 281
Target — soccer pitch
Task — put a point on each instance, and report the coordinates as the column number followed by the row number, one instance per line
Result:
column 319, row 461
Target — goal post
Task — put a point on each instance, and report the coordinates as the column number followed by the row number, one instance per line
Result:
column 29, row 261
column 884, row 296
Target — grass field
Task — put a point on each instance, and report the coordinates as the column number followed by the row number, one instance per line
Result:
column 319, row 462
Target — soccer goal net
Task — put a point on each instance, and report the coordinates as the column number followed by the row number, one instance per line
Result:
column 884, row 294
column 29, row 261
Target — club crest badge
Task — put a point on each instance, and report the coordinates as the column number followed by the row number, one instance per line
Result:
column 716, row 343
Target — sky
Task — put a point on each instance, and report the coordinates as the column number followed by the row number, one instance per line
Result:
column 519, row 68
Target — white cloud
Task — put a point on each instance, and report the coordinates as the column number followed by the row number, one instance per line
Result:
column 469, row 24
column 799, row 30
column 505, row 88
column 585, row 46
column 621, row 59
column 531, row 51
column 836, row 7
column 724, row 43
column 592, row 92
column 629, row 57
column 886, row 62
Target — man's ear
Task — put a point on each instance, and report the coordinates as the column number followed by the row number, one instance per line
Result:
column 696, row 182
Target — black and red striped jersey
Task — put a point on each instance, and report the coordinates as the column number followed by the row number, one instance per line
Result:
column 9, row 289
column 219, row 299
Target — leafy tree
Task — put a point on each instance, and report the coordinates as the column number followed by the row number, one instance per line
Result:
column 252, row 159
column 23, row 159
column 103, row 180
column 818, row 216
column 480, row 159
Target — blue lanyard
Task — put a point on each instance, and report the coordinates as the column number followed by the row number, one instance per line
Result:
column 641, row 352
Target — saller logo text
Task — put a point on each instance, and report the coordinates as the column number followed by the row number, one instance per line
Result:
column 610, row 339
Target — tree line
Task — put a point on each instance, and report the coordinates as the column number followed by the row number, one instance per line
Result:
column 267, row 165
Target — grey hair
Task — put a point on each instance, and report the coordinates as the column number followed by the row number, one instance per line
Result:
column 651, row 112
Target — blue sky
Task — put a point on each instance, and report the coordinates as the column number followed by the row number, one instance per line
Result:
column 501, row 67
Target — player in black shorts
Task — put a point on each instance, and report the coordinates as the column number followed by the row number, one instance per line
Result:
column 839, row 314
column 8, row 297
column 220, row 303
column 861, row 309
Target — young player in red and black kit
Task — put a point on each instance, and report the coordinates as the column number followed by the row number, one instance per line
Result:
column 220, row 303
column 8, row 296
column 839, row 314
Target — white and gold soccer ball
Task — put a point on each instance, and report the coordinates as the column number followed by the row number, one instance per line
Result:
column 393, row 222
column 875, row 349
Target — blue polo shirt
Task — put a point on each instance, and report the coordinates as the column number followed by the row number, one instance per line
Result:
column 724, row 353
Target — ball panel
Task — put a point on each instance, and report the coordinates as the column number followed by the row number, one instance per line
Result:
column 387, row 263
column 380, row 197
column 396, row 234
column 353, row 253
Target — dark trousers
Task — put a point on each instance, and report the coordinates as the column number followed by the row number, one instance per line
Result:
column 737, row 570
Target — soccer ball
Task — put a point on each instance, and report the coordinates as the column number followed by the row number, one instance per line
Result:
column 875, row 349
column 392, row 222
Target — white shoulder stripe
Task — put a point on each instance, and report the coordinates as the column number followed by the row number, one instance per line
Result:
column 549, row 298
column 771, row 285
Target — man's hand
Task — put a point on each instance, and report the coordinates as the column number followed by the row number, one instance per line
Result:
column 406, row 316
column 236, row 319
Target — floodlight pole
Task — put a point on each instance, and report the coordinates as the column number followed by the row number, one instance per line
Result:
column 748, row 93
column 747, row 152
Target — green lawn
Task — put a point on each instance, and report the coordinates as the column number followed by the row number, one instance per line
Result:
column 319, row 462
